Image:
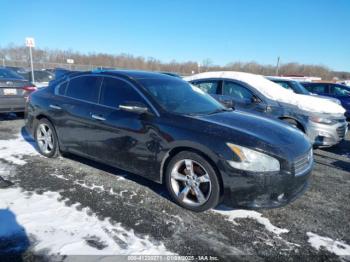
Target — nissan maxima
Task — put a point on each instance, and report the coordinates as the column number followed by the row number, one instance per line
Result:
column 168, row 131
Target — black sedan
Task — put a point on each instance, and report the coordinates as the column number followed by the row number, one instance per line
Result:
column 171, row 132
column 14, row 90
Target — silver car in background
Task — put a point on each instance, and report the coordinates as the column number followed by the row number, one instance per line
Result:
column 247, row 92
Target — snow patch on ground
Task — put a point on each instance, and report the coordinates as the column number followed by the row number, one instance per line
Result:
column 64, row 230
column 232, row 215
column 337, row 247
column 13, row 150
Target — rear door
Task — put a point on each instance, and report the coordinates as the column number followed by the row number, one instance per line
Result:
column 73, row 111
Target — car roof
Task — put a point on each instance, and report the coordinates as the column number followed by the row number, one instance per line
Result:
column 135, row 74
column 281, row 79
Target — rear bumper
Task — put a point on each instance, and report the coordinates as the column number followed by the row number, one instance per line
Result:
column 12, row 109
column 12, row 104
column 264, row 190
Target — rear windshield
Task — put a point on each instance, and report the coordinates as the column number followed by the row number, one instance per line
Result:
column 5, row 73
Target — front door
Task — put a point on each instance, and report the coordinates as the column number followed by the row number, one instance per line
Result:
column 243, row 98
column 123, row 139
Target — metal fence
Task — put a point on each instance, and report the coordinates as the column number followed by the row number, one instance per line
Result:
column 46, row 65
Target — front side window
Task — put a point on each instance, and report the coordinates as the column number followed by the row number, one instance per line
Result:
column 237, row 91
column 319, row 88
column 85, row 88
column 209, row 87
column 177, row 96
column 115, row 92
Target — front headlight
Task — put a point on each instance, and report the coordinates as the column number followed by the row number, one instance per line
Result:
column 321, row 120
column 251, row 160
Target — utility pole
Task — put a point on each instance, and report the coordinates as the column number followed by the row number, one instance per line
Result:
column 278, row 66
column 30, row 43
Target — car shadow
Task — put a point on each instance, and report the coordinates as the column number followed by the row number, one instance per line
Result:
column 10, row 116
column 14, row 239
column 29, row 139
column 155, row 187
column 342, row 149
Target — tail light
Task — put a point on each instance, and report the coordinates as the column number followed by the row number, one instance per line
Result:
column 29, row 88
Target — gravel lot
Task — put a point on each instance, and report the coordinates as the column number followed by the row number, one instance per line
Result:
column 84, row 207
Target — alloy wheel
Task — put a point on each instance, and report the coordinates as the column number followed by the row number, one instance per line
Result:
column 45, row 138
column 190, row 182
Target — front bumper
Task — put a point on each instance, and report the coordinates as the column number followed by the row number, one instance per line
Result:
column 326, row 135
column 263, row 190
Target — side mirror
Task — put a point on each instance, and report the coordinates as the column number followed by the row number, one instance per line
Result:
column 137, row 108
column 227, row 103
column 255, row 100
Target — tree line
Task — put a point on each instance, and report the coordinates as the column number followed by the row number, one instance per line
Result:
column 42, row 56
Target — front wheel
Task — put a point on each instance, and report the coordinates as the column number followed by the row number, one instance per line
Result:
column 192, row 182
column 46, row 139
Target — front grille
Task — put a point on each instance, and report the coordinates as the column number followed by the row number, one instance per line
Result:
column 341, row 131
column 303, row 163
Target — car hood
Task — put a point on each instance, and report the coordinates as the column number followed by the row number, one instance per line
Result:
column 256, row 132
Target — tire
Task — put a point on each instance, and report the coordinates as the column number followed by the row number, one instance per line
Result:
column 20, row 114
column 47, row 142
column 183, row 184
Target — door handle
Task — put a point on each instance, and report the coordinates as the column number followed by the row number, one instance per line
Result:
column 56, row 107
column 97, row 117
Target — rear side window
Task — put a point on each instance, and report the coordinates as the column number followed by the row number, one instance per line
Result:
column 85, row 88
column 115, row 92
column 209, row 87
column 237, row 91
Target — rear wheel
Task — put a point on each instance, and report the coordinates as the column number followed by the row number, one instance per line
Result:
column 46, row 139
column 192, row 182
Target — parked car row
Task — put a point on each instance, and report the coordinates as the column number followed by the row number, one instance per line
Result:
column 216, row 137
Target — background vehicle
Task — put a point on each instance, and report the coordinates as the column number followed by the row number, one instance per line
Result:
column 253, row 93
column 164, row 129
column 340, row 92
column 16, row 69
column 41, row 77
column 14, row 90
column 297, row 88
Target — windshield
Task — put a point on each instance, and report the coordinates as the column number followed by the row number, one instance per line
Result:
column 299, row 89
column 5, row 73
column 177, row 96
